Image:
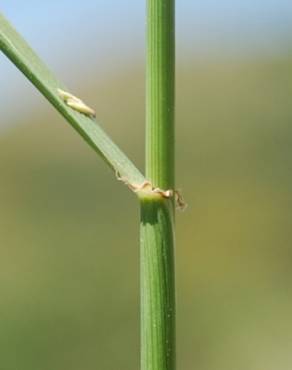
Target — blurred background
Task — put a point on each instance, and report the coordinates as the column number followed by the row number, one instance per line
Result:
column 69, row 252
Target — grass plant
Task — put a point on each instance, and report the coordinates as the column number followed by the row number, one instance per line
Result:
column 155, row 190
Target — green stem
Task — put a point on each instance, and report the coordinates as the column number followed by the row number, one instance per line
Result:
column 157, row 218
column 157, row 286
column 160, row 78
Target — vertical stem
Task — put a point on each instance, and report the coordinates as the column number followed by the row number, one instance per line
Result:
column 157, row 286
column 160, row 78
column 157, row 218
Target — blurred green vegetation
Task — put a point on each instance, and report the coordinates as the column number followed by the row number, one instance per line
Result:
column 69, row 274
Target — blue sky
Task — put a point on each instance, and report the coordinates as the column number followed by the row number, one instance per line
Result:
column 201, row 25
column 65, row 32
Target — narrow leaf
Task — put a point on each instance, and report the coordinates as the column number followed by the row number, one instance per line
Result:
column 25, row 59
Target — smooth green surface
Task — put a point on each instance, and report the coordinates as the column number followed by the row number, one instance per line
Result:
column 158, row 349
column 160, row 94
column 18, row 51
column 157, row 286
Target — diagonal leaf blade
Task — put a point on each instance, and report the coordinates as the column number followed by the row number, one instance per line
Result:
column 26, row 60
